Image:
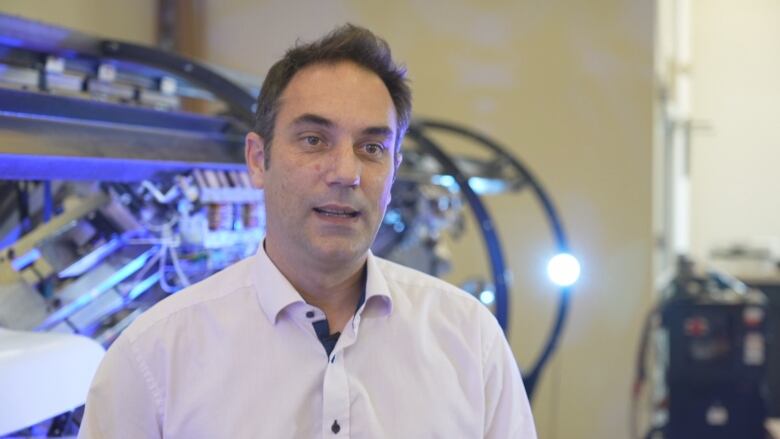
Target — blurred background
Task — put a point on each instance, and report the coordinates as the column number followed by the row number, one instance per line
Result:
column 651, row 124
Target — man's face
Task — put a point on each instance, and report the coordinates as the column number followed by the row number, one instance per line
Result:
column 332, row 163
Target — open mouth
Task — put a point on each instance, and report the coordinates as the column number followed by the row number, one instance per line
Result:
column 337, row 212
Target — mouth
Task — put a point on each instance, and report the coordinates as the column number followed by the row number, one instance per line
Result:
column 337, row 211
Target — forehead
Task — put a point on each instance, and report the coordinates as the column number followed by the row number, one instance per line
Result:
column 343, row 92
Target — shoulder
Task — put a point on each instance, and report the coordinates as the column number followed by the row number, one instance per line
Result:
column 440, row 299
column 422, row 285
column 231, row 280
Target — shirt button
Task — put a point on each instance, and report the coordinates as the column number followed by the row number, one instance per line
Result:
column 335, row 428
column 310, row 314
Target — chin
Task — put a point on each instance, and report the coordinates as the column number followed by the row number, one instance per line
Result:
column 340, row 250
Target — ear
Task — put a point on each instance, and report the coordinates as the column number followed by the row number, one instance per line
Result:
column 397, row 165
column 254, row 153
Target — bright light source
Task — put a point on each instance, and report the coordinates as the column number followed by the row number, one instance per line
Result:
column 445, row 180
column 563, row 269
column 487, row 297
column 487, row 186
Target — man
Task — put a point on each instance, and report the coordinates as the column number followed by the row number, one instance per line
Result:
column 314, row 336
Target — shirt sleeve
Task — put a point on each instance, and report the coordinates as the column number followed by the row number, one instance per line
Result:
column 507, row 410
column 121, row 402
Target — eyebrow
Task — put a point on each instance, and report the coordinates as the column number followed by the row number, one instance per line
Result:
column 378, row 131
column 314, row 119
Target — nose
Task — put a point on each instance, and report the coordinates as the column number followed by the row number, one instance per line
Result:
column 345, row 167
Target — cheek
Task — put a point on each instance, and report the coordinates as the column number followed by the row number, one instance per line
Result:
column 276, row 190
column 385, row 195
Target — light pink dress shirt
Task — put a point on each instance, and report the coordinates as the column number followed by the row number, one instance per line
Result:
column 236, row 356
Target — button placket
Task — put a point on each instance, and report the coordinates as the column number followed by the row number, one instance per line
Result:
column 335, row 397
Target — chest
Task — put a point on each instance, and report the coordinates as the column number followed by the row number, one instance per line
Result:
column 290, row 388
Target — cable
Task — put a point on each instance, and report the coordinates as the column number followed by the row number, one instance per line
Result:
column 183, row 279
column 138, row 278
column 160, row 228
column 167, row 245
column 161, row 198
column 640, row 370
column 163, row 281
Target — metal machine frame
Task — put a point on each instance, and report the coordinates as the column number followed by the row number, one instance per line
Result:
column 45, row 136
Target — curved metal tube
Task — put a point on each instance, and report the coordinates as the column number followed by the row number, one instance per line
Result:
column 492, row 243
column 532, row 378
column 237, row 99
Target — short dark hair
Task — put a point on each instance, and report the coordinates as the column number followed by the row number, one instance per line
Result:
column 345, row 43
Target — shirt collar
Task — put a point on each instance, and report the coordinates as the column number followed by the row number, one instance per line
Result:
column 276, row 293
column 376, row 286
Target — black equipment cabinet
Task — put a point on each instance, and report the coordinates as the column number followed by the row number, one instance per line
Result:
column 717, row 370
column 772, row 290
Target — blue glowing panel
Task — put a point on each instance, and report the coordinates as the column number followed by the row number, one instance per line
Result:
column 26, row 259
column 98, row 290
column 9, row 41
column 143, row 286
column 90, row 260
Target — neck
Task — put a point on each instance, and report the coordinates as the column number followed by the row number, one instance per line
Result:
column 334, row 288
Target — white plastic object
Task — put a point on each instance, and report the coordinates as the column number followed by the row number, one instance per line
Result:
column 42, row 375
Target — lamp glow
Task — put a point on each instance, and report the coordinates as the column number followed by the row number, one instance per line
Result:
column 487, row 297
column 563, row 269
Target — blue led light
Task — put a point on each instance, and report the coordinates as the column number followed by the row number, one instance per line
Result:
column 82, row 265
column 9, row 41
column 477, row 184
column 142, row 286
column 485, row 186
column 563, row 269
column 487, row 297
column 20, row 263
column 445, row 180
column 13, row 235
column 392, row 216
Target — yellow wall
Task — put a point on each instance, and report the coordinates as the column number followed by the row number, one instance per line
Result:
column 134, row 20
column 566, row 84
column 735, row 162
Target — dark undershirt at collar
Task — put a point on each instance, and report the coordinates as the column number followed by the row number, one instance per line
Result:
column 322, row 328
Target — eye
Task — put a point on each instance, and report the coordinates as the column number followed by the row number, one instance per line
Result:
column 312, row 140
column 374, row 149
